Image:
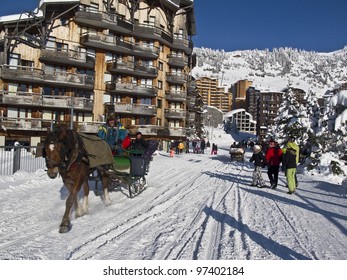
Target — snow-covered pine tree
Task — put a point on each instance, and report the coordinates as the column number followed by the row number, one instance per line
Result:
column 291, row 120
column 332, row 134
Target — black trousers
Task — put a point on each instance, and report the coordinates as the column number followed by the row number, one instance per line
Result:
column 272, row 172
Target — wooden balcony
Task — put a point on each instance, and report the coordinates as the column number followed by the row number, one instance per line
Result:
column 175, row 114
column 131, row 89
column 133, row 109
column 178, row 96
column 177, row 61
column 114, row 22
column 32, row 99
column 176, row 78
column 67, row 57
column 39, row 76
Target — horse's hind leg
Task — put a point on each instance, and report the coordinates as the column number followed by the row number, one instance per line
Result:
column 105, row 182
column 85, row 204
column 107, row 199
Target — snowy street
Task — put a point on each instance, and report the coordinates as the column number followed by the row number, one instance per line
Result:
column 197, row 207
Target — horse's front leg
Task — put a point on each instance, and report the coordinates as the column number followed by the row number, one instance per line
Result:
column 65, row 225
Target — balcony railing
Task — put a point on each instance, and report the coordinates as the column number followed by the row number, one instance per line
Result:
column 133, row 109
column 143, row 50
column 132, row 68
column 113, row 43
column 131, row 89
column 179, row 96
column 177, row 61
column 32, row 99
column 176, row 78
column 76, row 80
column 175, row 113
column 114, row 22
column 120, row 67
column 38, row 124
column 29, row 74
column 178, row 131
column 162, row 131
column 183, row 44
column 21, row 73
column 70, row 57
column 110, row 43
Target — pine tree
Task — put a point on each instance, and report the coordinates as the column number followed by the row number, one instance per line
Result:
column 291, row 120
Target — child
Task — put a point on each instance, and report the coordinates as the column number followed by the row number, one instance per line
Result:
column 259, row 161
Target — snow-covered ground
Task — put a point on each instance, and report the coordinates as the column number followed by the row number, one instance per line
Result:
column 197, row 207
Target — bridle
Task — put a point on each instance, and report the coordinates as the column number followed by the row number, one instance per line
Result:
column 63, row 153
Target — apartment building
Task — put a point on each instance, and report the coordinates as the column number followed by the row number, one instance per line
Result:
column 238, row 91
column 212, row 94
column 74, row 61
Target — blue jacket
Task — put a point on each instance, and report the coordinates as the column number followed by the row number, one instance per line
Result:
column 109, row 134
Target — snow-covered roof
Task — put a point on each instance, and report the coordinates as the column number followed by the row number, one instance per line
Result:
column 233, row 112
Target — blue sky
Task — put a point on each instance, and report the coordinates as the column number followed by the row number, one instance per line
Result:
column 313, row 25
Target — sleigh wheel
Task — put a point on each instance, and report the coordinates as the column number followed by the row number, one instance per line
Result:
column 133, row 189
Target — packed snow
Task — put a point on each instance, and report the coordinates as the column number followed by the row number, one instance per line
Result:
column 196, row 207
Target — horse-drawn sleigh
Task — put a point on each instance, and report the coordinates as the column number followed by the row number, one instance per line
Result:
column 237, row 153
column 80, row 158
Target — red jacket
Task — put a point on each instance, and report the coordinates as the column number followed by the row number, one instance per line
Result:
column 273, row 156
column 126, row 142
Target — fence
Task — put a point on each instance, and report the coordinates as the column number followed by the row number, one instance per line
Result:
column 26, row 158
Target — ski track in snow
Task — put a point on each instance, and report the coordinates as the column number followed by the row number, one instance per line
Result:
column 197, row 206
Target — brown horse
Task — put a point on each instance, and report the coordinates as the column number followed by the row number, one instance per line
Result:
column 66, row 155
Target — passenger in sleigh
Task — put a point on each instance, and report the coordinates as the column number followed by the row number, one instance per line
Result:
column 138, row 145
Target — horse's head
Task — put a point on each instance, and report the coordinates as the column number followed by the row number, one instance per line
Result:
column 54, row 153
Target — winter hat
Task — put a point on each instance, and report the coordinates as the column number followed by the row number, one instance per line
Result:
column 111, row 116
column 272, row 143
column 256, row 148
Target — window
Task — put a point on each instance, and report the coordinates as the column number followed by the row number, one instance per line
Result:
column 61, row 46
column 151, row 20
column 85, row 94
column 93, row 8
column 63, row 21
column 160, row 103
column 161, row 66
column 146, row 101
column 54, row 91
column 27, row 63
column 25, row 88
column 160, row 85
column 144, row 120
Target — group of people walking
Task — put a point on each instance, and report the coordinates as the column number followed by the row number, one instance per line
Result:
column 195, row 146
column 273, row 157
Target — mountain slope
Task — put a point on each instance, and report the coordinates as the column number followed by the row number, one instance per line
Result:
column 274, row 70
